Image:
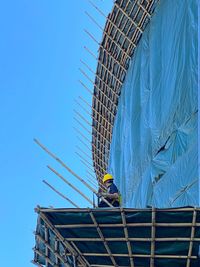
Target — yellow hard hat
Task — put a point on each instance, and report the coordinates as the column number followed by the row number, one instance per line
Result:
column 107, row 177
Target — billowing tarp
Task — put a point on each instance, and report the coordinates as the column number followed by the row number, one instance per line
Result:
column 153, row 153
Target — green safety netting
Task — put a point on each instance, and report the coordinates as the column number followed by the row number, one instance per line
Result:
column 118, row 237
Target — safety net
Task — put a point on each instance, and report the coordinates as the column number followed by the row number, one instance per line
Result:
column 118, row 237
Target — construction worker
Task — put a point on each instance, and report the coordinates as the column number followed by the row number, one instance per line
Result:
column 111, row 194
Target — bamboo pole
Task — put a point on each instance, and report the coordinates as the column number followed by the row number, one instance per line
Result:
column 109, row 54
column 84, row 163
column 71, row 185
column 71, row 171
column 89, row 158
column 90, row 52
column 153, row 232
column 81, row 134
column 54, row 251
column 35, row 263
column 66, row 244
column 191, row 237
column 127, row 238
column 84, row 159
column 111, row 39
column 94, row 110
column 111, row 74
column 137, row 256
column 103, row 239
column 60, row 194
column 89, row 141
column 109, row 111
column 84, row 153
column 80, row 116
column 82, row 125
column 98, row 88
column 91, row 182
column 110, row 21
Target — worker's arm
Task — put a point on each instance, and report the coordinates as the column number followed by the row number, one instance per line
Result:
column 111, row 196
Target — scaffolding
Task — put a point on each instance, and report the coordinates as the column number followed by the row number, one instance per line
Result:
column 118, row 237
column 122, row 32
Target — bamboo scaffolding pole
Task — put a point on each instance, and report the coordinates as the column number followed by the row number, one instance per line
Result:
column 84, row 153
column 90, row 126
column 82, row 134
column 100, row 184
column 128, row 16
column 85, row 87
column 89, row 164
column 71, row 185
column 130, row 239
column 66, row 244
column 148, row 14
column 109, row 30
column 82, row 125
column 46, row 248
column 130, row 210
column 92, row 182
column 80, row 253
column 109, row 38
column 127, row 238
column 104, row 121
column 90, row 52
column 92, row 146
column 192, row 237
column 60, row 194
column 37, row 264
column 110, row 21
column 130, row 27
column 108, row 54
column 109, row 111
column 107, row 82
column 103, row 239
column 71, row 171
column 138, row 29
column 80, row 116
column 89, row 140
column 137, row 256
column 102, row 47
column 54, row 251
column 103, row 118
column 134, row 37
column 84, row 143
column 84, row 163
column 98, row 88
column 120, row 225
column 111, row 73
column 47, row 260
column 153, row 231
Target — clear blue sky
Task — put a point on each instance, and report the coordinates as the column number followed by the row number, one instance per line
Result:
column 41, row 45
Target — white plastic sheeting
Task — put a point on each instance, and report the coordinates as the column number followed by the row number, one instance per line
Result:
column 154, row 150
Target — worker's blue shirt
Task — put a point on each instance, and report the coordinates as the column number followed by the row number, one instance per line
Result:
column 112, row 189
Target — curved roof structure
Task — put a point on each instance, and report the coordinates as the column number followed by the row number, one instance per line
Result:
column 122, row 32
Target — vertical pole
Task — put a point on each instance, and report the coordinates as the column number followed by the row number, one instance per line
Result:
column 199, row 100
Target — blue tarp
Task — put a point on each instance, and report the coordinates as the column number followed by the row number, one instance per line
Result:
column 153, row 154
